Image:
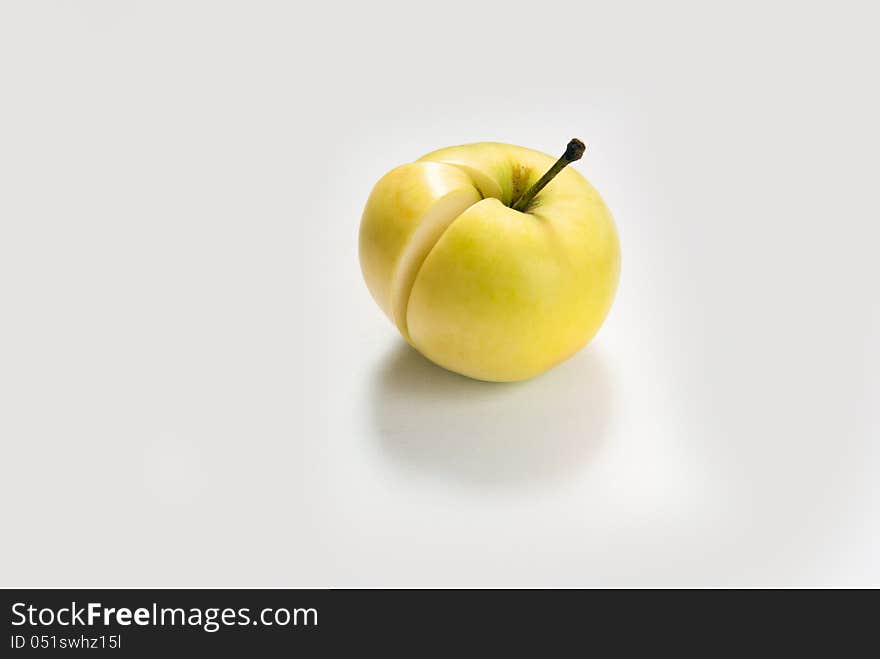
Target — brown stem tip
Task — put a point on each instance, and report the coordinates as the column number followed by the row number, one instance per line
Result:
column 574, row 150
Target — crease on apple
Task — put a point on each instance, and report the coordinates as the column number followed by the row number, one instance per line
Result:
column 431, row 227
column 486, row 184
column 488, row 173
column 437, row 220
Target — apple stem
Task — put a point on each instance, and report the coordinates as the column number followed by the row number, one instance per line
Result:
column 573, row 151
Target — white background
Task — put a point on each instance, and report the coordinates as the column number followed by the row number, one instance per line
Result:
column 197, row 389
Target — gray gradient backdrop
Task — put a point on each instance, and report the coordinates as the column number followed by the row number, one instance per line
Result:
column 197, row 389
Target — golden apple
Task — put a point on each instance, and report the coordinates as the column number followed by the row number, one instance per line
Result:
column 494, row 261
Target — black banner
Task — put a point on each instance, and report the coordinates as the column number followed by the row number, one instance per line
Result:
column 129, row 622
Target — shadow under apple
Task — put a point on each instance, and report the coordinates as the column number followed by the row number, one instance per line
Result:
column 491, row 434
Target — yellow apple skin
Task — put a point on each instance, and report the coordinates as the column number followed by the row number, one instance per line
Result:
column 487, row 291
column 397, row 231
